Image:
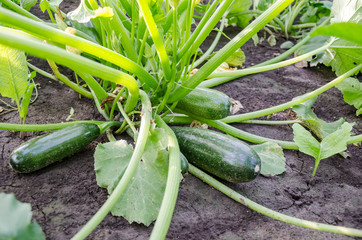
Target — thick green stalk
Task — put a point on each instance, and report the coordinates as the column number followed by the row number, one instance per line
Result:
column 126, row 41
column 218, row 78
column 229, row 49
column 170, row 85
column 128, row 174
column 15, row 7
column 172, row 185
column 42, row 127
column 295, row 101
column 184, row 119
column 213, row 45
column 206, row 25
column 269, row 212
column 79, row 89
column 156, row 37
column 54, row 35
column 17, row 39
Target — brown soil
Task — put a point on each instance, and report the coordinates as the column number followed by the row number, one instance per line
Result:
column 64, row 196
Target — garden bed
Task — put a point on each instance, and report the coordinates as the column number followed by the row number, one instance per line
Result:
column 64, row 196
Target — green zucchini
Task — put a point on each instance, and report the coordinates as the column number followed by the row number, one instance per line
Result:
column 206, row 103
column 221, row 155
column 39, row 152
column 184, row 164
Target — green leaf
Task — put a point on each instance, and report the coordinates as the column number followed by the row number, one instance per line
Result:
column 26, row 101
column 110, row 161
column 311, row 45
column 241, row 6
column 272, row 158
column 333, row 143
column 13, row 73
column 310, row 120
column 28, row 4
column 346, row 11
column 142, row 199
column 305, row 141
column 83, row 14
column 352, row 93
column 342, row 56
column 348, row 31
column 237, row 59
column 51, row 4
column 336, row 142
column 15, row 220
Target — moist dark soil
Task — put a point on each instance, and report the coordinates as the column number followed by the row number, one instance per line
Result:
column 64, row 196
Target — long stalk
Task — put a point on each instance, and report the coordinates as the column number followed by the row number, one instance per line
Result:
column 156, row 37
column 295, row 101
column 222, row 77
column 269, row 212
column 128, row 174
column 39, row 49
column 54, row 35
column 172, row 185
column 229, row 49
column 42, row 127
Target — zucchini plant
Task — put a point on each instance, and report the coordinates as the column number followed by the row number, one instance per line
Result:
column 137, row 59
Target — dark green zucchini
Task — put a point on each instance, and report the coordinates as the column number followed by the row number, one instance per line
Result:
column 206, row 103
column 221, row 155
column 184, row 164
column 39, row 152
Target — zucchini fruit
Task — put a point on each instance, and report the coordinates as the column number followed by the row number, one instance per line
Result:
column 221, row 155
column 41, row 151
column 206, row 103
column 184, row 164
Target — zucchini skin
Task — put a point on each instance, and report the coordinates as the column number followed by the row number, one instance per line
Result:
column 221, row 155
column 184, row 164
column 42, row 151
column 206, row 103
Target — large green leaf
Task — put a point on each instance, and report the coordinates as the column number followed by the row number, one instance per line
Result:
column 348, row 30
column 272, row 158
column 15, row 220
column 333, row 143
column 238, row 7
column 346, row 11
column 142, row 199
column 352, row 93
column 13, row 73
column 343, row 55
column 310, row 120
column 305, row 141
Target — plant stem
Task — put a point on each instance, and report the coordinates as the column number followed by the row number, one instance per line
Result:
column 172, row 185
column 157, row 40
column 229, row 49
column 184, row 119
column 42, row 72
column 42, row 127
column 222, row 77
column 213, row 45
column 15, row 7
column 207, row 23
column 19, row 40
column 128, row 174
column 67, row 82
column 248, row 136
column 295, row 101
column 56, row 35
column 269, row 212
